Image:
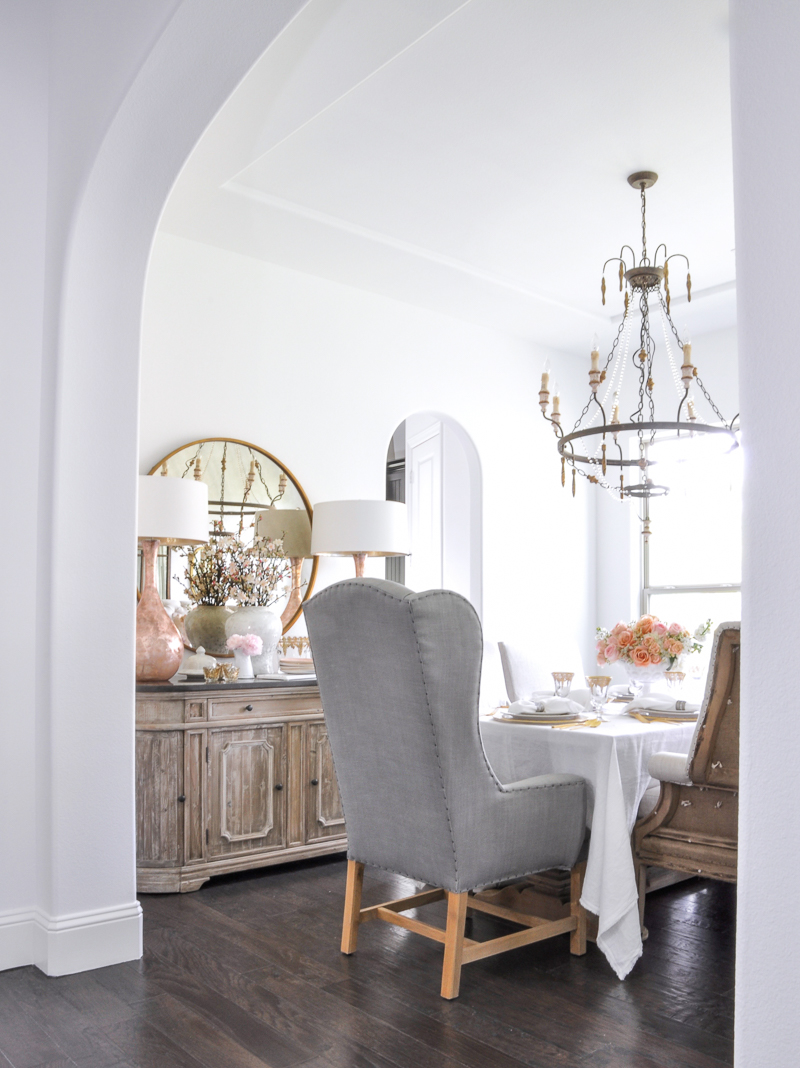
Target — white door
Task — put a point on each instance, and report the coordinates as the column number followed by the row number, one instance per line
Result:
column 424, row 498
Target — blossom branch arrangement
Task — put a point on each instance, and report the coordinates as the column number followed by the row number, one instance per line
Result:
column 209, row 579
column 260, row 572
column 228, row 570
column 247, row 644
column 648, row 641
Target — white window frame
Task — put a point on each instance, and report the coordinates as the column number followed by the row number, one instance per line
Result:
column 647, row 590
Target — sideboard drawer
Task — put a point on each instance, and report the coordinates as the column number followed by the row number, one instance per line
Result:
column 242, row 706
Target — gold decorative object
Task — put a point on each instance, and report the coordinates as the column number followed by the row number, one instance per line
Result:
column 643, row 278
column 214, row 674
column 230, row 672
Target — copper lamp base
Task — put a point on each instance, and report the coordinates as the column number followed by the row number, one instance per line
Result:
column 159, row 647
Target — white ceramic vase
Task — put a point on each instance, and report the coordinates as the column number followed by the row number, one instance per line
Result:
column 645, row 677
column 254, row 619
column 244, row 663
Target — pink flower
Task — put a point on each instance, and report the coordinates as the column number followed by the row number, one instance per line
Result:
column 655, row 658
column 618, row 629
column 249, row 644
column 674, row 628
column 601, row 658
column 640, row 657
column 660, row 629
column 611, row 653
column 674, row 648
column 624, row 638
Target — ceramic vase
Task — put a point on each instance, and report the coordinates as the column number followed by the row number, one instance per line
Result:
column 255, row 619
column 244, row 664
column 645, row 677
column 205, row 625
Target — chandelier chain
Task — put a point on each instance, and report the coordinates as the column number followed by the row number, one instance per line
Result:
column 644, row 228
column 697, row 377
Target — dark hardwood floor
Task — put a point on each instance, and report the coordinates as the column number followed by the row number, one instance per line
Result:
column 247, row 972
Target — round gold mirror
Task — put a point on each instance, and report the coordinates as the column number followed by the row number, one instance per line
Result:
column 251, row 494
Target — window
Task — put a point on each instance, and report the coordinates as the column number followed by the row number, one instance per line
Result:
column 692, row 560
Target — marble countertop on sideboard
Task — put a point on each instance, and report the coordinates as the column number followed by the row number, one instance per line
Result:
column 219, row 687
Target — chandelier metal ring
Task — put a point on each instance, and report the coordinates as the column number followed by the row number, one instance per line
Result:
column 638, row 429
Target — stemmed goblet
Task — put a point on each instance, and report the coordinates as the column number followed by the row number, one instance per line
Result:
column 598, row 687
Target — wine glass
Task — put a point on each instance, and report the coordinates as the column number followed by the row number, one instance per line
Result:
column 563, row 682
column 598, row 687
column 675, row 681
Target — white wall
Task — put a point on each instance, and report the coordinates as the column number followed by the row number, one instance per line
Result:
column 765, row 77
column 100, row 103
column 23, row 120
column 321, row 374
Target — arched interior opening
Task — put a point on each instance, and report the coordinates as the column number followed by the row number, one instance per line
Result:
column 433, row 466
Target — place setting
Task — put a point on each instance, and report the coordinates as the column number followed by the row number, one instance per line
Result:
column 561, row 708
column 664, row 707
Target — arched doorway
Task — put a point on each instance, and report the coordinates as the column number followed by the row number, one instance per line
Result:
column 433, row 465
column 83, row 911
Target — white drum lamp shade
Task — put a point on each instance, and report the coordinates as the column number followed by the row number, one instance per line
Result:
column 290, row 524
column 173, row 510
column 354, row 528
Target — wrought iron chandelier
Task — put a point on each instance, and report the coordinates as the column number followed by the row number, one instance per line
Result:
column 627, row 447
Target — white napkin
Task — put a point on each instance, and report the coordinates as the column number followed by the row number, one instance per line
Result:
column 662, row 704
column 553, row 706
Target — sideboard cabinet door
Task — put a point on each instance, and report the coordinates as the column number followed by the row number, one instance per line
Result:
column 247, row 775
column 324, row 814
column 159, row 784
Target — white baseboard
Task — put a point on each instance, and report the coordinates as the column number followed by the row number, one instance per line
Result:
column 61, row 945
column 17, row 933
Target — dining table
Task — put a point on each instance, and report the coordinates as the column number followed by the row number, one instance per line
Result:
column 612, row 758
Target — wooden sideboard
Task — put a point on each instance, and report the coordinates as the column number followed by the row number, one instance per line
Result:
column 230, row 777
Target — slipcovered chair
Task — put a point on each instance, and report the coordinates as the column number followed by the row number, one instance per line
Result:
column 526, row 671
column 694, row 826
column 398, row 674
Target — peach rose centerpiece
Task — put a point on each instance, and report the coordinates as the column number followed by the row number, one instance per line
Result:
column 648, row 647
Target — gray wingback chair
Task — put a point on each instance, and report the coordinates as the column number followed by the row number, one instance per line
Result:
column 399, row 675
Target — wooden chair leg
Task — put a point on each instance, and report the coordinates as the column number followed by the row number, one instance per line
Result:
column 453, row 944
column 641, row 879
column 352, row 906
column 577, row 939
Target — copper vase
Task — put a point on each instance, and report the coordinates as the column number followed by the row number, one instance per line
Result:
column 159, row 648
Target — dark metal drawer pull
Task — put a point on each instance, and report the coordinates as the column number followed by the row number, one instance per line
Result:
column 315, row 782
column 278, row 785
column 248, row 708
column 181, row 797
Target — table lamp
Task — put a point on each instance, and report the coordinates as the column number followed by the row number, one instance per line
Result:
column 294, row 527
column 172, row 511
column 359, row 529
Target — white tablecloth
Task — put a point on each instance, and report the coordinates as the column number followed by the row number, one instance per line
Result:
column 612, row 758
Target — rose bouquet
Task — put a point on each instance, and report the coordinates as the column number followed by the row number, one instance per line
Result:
column 648, row 643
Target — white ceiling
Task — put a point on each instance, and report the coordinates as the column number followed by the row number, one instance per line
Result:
column 471, row 157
